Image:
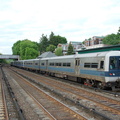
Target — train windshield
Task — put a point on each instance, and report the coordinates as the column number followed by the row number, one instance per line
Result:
column 114, row 63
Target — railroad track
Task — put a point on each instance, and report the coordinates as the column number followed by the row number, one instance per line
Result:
column 9, row 108
column 49, row 106
column 95, row 101
column 3, row 108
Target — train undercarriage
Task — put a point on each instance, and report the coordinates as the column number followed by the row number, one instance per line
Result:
column 114, row 86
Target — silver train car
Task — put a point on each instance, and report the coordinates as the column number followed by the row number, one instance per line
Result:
column 92, row 69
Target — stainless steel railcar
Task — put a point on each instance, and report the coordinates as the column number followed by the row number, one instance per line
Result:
column 93, row 69
column 32, row 64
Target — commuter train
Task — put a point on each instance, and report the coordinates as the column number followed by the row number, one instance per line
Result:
column 101, row 69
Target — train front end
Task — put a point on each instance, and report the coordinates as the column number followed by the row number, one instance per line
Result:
column 112, row 75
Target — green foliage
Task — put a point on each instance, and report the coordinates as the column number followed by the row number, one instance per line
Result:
column 51, row 36
column 50, row 48
column 58, row 51
column 70, row 49
column 52, row 40
column 43, row 43
column 30, row 53
column 21, row 48
column 2, row 60
column 16, row 48
column 55, row 40
column 118, row 31
column 112, row 39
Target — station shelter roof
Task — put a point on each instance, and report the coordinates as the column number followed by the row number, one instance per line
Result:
column 100, row 49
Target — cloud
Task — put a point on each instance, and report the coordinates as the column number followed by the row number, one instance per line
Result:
column 5, row 50
column 74, row 19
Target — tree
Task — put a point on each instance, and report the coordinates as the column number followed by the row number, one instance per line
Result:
column 118, row 31
column 52, row 40
column 112, row 39
column 70, row 49
column 51, row 36
column 50, row 48
column 57, row 39
column 30, row 53
column 43, row 43
column 16, row 48
column 58, row 51
column 2, row 60
column 23, row 46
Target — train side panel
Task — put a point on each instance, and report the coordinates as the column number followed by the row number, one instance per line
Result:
column 61, row 67
column 91, row 68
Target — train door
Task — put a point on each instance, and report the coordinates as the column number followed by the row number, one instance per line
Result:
column 77, row 66
column 46, row 64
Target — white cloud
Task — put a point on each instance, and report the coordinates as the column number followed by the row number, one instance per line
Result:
column 6, row 50
column 74, row 19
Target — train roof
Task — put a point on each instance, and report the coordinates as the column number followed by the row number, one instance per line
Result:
column 27, row 60
column 59, row 57
column 97, row 54
column 31, row 60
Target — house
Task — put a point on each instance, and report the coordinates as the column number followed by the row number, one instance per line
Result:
column 94, row 42
column 76, row 46
column 46, row 54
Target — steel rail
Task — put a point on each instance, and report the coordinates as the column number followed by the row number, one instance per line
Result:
column 74, row 113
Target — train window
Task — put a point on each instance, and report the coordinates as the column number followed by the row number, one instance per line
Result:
column 36, row 63
column 42, row 63
column 94, row 65
column 119, row 62
column 77, row 62
column 64, row 64
column 101, row 64
column 51, row 64
column 113, row 62
column 59, row 64
column 91, row 65
column 56, row 64
column 87, row 65
column 68, row 64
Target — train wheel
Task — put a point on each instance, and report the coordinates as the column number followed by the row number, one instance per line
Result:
column 80, row 80
column 100, row 86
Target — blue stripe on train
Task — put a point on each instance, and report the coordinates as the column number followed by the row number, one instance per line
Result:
column 87, row 72
column 62, row 69
column 93, row 72
column 82, row 71
column 113, row 73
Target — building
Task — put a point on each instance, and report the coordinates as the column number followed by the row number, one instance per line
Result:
column 46, row 54
column 94, row 42
column 76, row 46
column 100, row 49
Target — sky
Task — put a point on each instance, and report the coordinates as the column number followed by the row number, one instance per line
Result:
column 76, row 20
